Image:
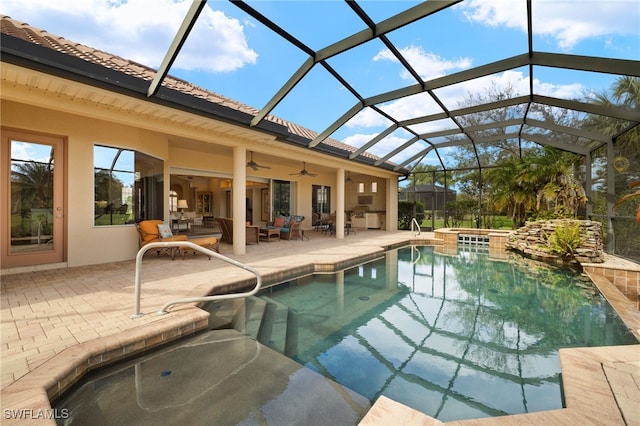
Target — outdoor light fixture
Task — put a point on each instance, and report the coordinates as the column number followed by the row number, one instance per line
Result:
column 182, row 204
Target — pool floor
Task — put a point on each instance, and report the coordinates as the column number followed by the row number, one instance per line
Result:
column 197, row 381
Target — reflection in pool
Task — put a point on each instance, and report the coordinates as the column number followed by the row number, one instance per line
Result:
column 454, row 337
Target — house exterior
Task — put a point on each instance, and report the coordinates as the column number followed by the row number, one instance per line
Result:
column 113, row 156
column 432, row 197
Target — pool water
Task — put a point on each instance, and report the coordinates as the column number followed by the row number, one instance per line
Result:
column 454, row 337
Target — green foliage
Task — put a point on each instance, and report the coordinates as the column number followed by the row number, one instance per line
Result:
column 565, row 240
column 406, row 213
column 464, row 206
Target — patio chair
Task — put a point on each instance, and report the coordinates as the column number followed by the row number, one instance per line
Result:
column 150, row 231
column 226, row 226
column 289, row 226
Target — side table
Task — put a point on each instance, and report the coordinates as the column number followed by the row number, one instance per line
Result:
column 269, row 234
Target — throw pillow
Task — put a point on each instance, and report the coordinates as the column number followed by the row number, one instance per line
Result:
column 165, row 230
column 278, row 222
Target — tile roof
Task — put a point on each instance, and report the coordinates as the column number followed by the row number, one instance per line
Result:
column 26, row 32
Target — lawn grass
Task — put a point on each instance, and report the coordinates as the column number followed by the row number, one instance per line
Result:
column 498, row 222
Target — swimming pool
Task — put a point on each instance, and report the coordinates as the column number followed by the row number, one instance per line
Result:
column 455, row 337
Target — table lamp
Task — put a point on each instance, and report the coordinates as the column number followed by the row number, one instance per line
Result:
column 182, row 204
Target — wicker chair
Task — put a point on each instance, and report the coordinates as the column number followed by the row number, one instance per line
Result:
column 226, row 226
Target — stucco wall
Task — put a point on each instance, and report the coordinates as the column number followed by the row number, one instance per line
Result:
column 86, row 244
column 84, row 125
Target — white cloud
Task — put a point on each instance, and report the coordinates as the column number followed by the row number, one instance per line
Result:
column 358, row 139
column 385, row 146
column 453, row 96
column 427, row 64
column 568, row 22
column 368, row 118
column 141, row 30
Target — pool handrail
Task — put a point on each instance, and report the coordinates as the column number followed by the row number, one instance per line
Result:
column 208, row 252
column 417, row 225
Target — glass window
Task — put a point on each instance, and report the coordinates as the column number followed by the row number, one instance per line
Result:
column 281, row 198
column 32, row 193
column 321, row 199
column 128, row 186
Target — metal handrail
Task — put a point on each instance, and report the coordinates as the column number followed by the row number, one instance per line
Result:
column 415, row 222
column 415, row 249
column 177, row 244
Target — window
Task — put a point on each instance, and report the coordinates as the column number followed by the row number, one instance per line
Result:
column 128, row 186
column 374, row 186
column 321, row 199
column 281, row 198
column 361, row 187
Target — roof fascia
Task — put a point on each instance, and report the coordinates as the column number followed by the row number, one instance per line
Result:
column 40, row 58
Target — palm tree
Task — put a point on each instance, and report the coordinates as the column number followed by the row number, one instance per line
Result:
column 423, row 174
column 541, row 182
column 512, row 190
column 35, row 180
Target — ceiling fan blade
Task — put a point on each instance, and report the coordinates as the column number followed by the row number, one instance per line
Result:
column 303, row 172
column 255, row 166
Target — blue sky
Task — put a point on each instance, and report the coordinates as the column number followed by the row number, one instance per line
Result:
column 232, row 54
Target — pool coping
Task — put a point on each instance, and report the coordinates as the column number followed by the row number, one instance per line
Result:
column 48, row 381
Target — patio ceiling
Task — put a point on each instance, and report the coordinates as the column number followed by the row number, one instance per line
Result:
column 419, row 121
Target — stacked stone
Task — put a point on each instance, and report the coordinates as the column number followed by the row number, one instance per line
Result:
column 532, row 240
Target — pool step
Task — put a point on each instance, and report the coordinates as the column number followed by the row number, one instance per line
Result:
column 267, row 321
column 248, row 317
column 276, row 329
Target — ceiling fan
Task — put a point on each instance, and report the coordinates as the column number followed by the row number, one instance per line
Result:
column 304, row 171
column 254, row 165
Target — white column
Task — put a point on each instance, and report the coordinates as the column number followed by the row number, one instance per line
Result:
column 391, row 222
column 239, row 204
column 340, row 203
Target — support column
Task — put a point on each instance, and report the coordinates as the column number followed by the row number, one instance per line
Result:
column 340, row 203
column 239, row 191
column 611, row 198
column 391, row 220
column 588, row 185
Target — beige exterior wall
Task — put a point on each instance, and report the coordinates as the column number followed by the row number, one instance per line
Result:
column 204, row 148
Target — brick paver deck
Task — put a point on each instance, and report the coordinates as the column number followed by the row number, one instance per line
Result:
column 56, row 324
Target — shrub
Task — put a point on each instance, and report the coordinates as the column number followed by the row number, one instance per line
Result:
column 565, row 240
column 405, row 213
